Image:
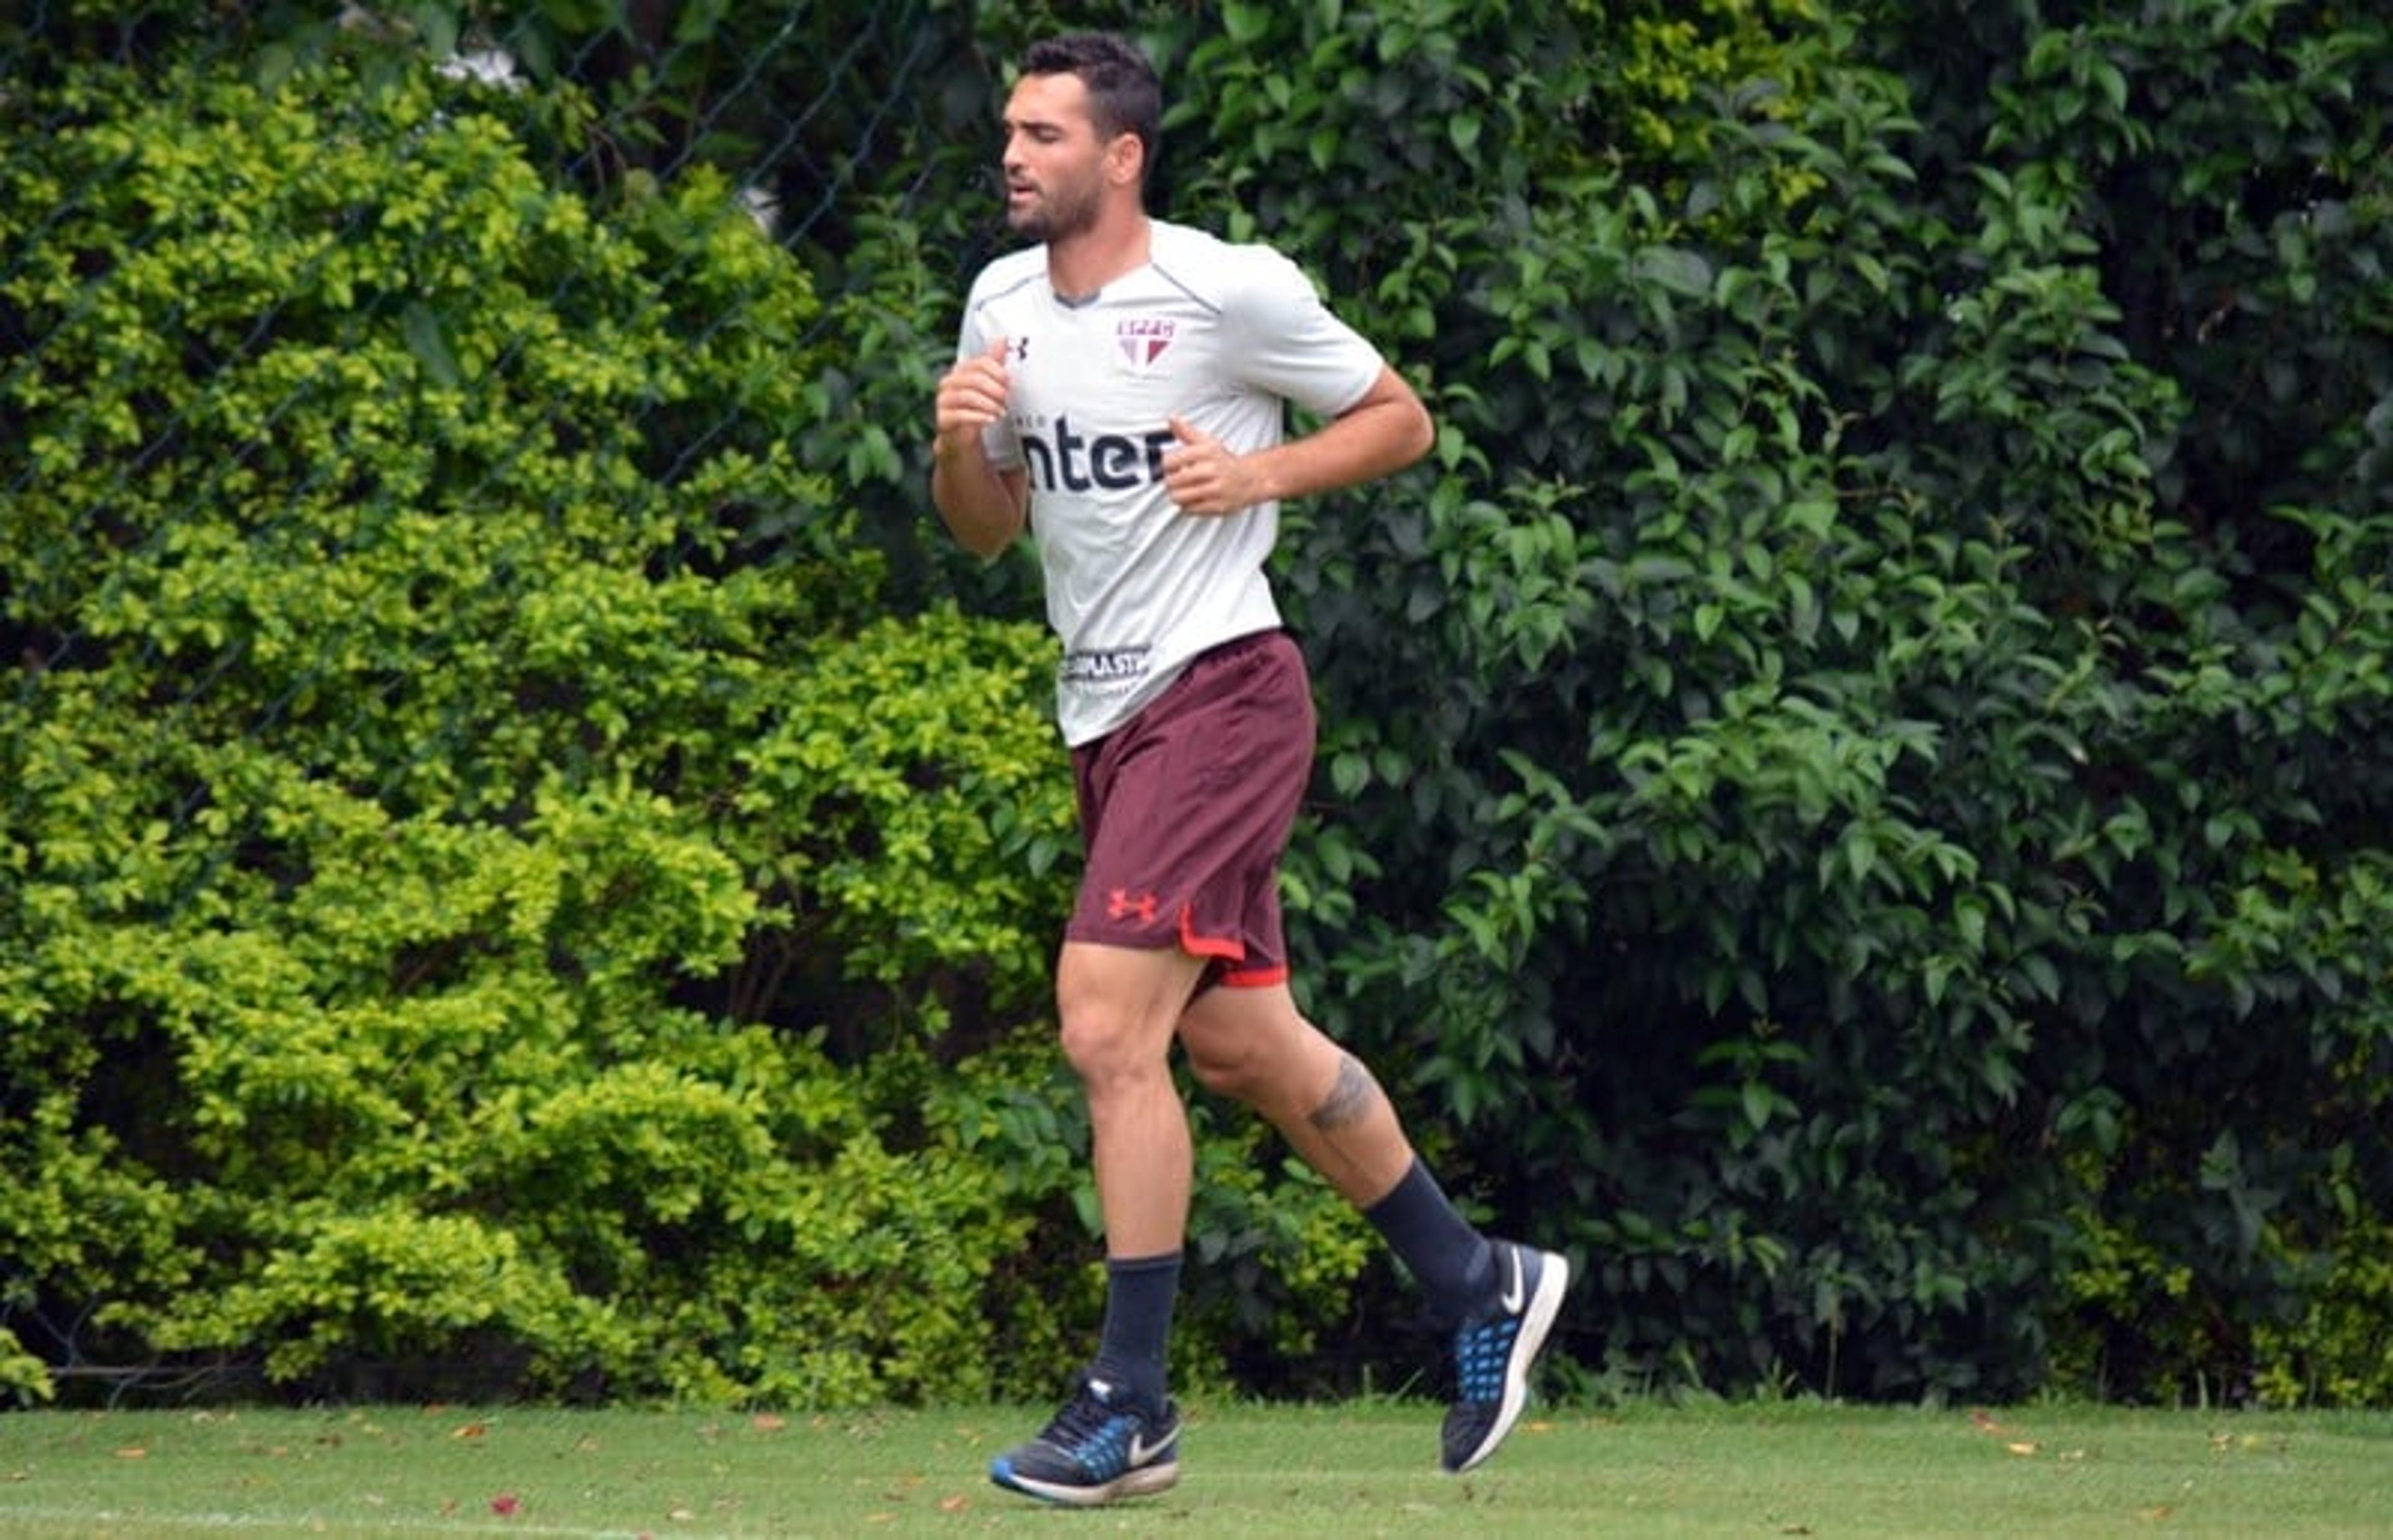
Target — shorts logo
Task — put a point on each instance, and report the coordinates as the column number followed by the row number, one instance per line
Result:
column 1121, row 906
column 1144, row 339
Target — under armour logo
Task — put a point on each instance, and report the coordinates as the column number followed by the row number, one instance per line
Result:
column 1121, row 906
column 1017, row 348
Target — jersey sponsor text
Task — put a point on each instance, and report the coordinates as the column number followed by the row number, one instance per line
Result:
column 1107, row 669
column 1063, row 461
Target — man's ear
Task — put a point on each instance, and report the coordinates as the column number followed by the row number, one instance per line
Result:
column 1126, row 159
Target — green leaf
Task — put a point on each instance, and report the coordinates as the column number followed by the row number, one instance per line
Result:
column 429, row 343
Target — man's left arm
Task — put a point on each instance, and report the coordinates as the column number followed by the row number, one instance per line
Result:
column 1380, row 434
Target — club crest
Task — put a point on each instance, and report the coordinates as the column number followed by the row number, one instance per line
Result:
column 1142, row 340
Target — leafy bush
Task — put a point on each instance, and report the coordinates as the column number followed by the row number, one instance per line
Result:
column 1843, row 741
column 440, row 676
column 1853, row 786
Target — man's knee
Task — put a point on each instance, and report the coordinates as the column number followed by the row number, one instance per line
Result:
column 1101, row 1045
column 1258, row 1050
column 1111, row 1026
column 1226, row 1068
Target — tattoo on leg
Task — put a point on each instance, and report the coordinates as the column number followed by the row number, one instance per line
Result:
column 1350, row 1098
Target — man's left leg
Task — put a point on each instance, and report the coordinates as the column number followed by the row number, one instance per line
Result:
column 1118, row 1434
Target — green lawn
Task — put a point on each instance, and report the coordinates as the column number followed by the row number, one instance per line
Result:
column 1350, row 1471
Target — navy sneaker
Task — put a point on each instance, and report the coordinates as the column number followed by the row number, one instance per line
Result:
column 1099, row 1447
column 1492, row 1355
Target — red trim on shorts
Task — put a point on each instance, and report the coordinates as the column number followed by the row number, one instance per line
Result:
column 1257, row 978
column 1226, row 948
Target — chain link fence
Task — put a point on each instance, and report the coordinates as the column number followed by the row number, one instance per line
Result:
column 824, row 117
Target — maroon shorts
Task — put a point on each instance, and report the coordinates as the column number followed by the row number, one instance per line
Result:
column 1186, row 808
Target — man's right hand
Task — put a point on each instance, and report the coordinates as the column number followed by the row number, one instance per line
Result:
column 971, row 397
column 984, row 508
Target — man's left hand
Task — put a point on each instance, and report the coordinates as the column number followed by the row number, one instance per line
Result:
column 1206, row 476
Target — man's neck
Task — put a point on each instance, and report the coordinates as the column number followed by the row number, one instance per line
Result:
column 1078, row 267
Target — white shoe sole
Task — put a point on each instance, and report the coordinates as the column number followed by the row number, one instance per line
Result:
column 1145, row 1481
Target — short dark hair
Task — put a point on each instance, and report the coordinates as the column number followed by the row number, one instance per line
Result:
column 1124, row 95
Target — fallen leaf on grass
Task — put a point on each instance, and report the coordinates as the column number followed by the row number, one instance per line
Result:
column 956, row 1504
column 768, row 1422
column 470, row 1430
column 2023, row 1447
column 133, row 1451
column 505, row 1504
column 2154, row 1515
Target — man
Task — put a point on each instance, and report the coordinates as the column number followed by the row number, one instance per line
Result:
column 1119, row 390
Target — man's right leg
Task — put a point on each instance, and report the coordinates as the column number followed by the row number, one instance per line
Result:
column 1255, row 1047
column 1500, row 1298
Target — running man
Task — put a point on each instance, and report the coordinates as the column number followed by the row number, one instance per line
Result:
column 1120, row 391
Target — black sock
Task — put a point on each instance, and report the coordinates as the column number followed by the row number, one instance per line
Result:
column 1448, row 1258
column 1140, row 1292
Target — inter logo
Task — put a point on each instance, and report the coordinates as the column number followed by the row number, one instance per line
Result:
column 1060, row 459
column 1144, row 339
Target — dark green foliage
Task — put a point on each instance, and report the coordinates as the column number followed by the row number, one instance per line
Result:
column 1870, row 749
column 1855, row 790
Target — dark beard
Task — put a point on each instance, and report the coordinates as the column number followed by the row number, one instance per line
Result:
column 1049, row 221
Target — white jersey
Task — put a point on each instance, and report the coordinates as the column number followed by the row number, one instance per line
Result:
column 1222, row 334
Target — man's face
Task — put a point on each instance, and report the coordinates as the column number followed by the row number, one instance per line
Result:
column 1054, row 163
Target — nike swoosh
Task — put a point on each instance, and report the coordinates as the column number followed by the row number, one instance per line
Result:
column 1514, row 1293
column 1140, row 1454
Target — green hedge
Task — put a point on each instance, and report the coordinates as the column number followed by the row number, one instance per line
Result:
column 1854, row 792
column 494, row 904
column 1870, row 743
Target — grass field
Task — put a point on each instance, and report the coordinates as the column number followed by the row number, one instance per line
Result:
column 1350, row 1471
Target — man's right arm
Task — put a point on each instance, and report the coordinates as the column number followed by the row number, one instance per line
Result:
column 984, row 507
